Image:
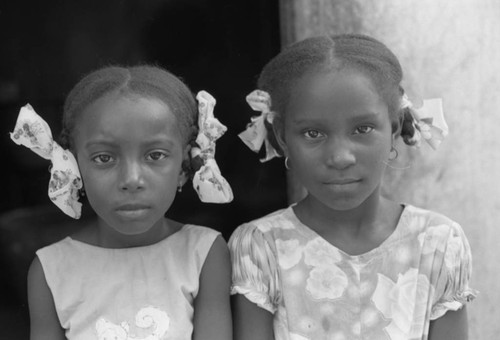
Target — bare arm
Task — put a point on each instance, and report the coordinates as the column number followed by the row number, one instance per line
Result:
column 251, row 322
column 43, row 317
column 212, row 310
column 451, row 326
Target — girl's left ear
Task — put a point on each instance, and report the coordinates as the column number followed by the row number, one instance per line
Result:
column 186, row 161
column 279, row 131
column 396, row 128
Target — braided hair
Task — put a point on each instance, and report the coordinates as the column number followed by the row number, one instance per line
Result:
column 333, row 53
column 145, row 80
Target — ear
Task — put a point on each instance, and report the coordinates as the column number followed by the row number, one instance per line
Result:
column 279, row 134
column 396, row 126
column 186, row 160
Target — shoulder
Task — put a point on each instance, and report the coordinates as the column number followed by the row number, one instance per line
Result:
column 196, row 236
column 423, row 220
column 199, row 244
column 277, row 220
column 55, row 250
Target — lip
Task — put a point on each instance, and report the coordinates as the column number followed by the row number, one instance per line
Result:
column 133, row 210
column 343, row 181
column 132, row 206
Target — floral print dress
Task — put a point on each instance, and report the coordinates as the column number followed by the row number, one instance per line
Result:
column 317, row 291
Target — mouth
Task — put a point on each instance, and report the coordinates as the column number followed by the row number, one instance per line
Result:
column 343, row 185
column 132, row 210
column 343, row 181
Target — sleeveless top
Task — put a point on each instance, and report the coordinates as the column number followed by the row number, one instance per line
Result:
column 316, row 291
column 133, row 293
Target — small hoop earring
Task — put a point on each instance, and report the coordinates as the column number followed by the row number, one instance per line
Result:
column 286, row 163
column 179, row 188
column 393, row 154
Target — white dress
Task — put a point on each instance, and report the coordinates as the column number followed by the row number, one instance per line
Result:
column 134, row 293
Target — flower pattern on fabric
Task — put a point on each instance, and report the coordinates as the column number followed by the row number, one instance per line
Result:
column 256, row 133
column 290, row 253
column 432, row 239
column 453, row 253
column 147, row 318
column 318, row 253
column 65, row 179
column 208, row 181
column 294, row 336
column 391, row 292
column 404, row 303
column 326, row 283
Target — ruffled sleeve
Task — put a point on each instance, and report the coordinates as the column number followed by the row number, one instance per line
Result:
column 255, row 268
column 452, row 290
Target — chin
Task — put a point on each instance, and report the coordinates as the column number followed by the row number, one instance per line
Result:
column 133, row 231
column 343, row 203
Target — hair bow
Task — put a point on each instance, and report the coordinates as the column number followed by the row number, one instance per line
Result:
column 428, row 121
column 65, row 180
column 256, row 133
column 208, row 181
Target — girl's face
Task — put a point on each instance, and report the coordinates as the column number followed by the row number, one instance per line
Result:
column 337, row 135
column 129, row 151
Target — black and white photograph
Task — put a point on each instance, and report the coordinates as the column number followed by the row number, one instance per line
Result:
column 250, row 170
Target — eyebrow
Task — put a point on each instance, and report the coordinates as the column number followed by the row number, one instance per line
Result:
column 355, row 118
column 147, row 143
column 366, row 116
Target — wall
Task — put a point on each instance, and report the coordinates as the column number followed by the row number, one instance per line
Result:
column 448, row 49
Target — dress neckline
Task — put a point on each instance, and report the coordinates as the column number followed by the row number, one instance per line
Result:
column 162, row 241
column 402, row 221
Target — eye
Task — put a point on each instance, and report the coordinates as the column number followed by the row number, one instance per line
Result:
column 156, row 156
column 363, row 129
column 312, row 134
column 102, row 159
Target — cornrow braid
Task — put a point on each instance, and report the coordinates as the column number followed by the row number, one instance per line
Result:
column 330, row 54
column 147, row 81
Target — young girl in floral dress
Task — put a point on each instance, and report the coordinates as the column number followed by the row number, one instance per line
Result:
column 345, row 262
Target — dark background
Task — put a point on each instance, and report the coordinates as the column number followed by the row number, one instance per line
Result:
column 47, row 46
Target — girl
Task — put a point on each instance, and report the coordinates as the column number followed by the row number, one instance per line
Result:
column 133, row 274
column 345, row 262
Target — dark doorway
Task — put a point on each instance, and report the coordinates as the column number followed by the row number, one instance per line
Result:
column 216, row 45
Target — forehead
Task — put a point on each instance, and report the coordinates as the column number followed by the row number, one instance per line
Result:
column 126, row 119
column 344, row 86
column 335, row 96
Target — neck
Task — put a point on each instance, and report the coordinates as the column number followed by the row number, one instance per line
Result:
column 107, row 237
column 362, row 218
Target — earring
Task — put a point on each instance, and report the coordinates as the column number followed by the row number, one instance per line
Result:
column 393, row 154
column 179, row 188
column 81, row 192
column 286, row 163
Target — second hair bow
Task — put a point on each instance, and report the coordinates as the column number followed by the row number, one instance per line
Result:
column 256, row 133
column 208, row 181
column 428, row 121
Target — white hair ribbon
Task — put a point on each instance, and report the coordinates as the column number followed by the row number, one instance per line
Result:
column 65, row 180
column 208, row 181
column 428, row 121
column 256, row 133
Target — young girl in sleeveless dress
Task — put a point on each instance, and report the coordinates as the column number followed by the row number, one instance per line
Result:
column 345, row 262
column 133, row 274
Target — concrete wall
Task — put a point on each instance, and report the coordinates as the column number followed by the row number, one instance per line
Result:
column 448, row 49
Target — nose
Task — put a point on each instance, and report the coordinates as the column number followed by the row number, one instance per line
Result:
column 340, row 154
column 131, row 176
